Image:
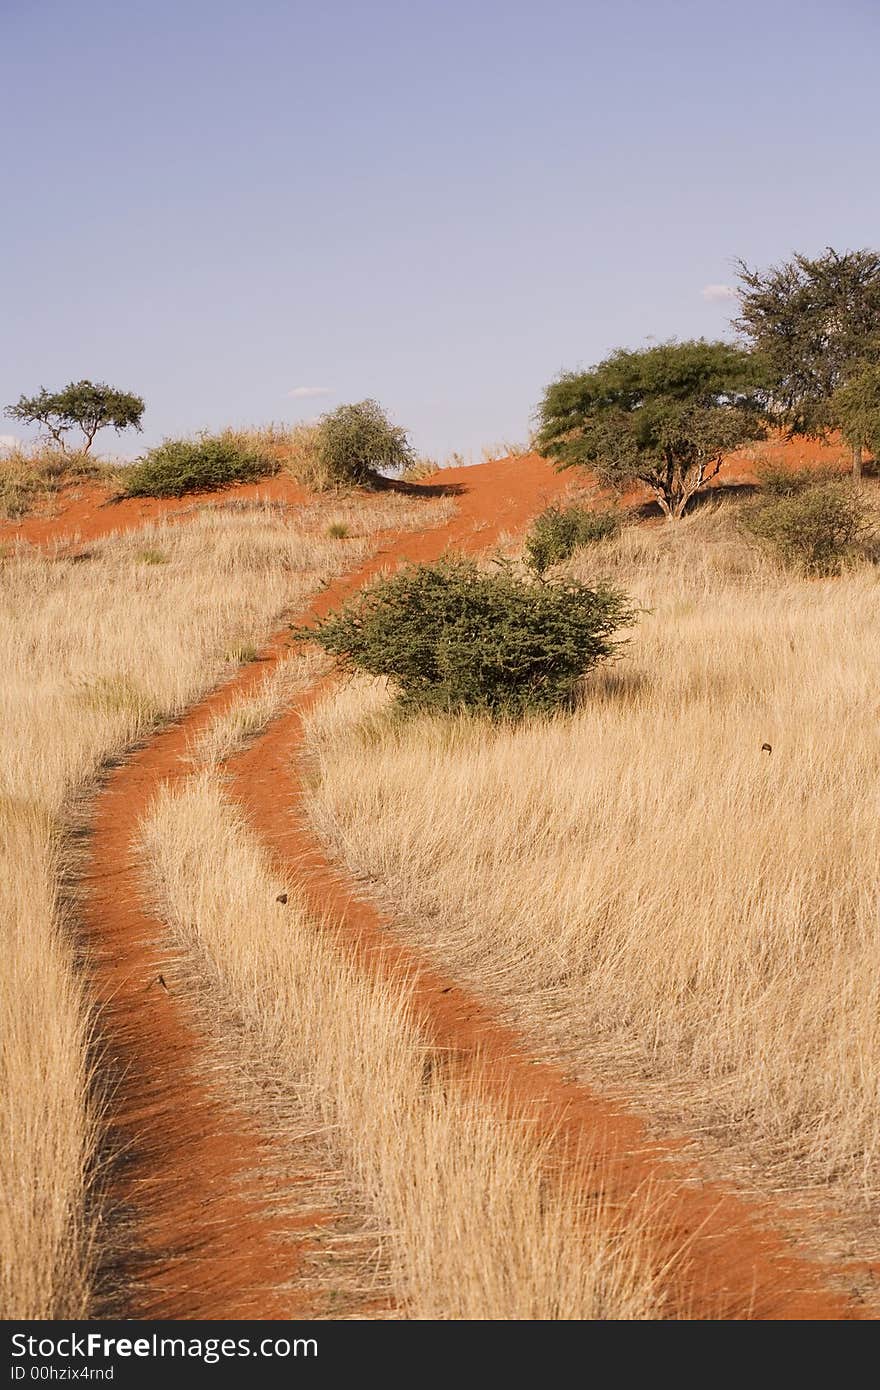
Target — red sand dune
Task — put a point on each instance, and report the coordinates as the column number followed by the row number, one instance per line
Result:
column 88, row 511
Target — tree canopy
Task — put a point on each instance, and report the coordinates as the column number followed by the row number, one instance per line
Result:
column 856, row 407
column 82, row 405
column 815, row 321
column 665, row 416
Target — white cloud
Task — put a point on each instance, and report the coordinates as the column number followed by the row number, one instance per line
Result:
column 716, row 293
column 9, row 441
column 307, row 393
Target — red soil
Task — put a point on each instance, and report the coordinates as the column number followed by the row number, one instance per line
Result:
column 88, row 512
column 195, row 1175
column 191, row 1179
column 737, row 1263
column 194, row 1171
column 780, row 452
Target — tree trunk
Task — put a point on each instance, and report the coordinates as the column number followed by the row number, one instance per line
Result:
column 857, row 465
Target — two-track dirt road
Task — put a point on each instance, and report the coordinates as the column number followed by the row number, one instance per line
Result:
column 197, row 1178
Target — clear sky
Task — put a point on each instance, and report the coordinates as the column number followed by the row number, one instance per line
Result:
column 438, row 203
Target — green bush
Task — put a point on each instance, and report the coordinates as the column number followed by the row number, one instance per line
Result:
column 454, row 637
column 815, row 529
column 358, row 441
column 195, row 465
column 559, row 531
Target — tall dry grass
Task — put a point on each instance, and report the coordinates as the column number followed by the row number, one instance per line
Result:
column 47, row 1120
column 31, row 476
column 474, row 1226
column 642, row 886
column 93, row 652
column 295, row 449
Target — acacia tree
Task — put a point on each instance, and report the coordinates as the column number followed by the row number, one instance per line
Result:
column 81, row 405
column 856, row 408
column 665, row 416
column 816, row 323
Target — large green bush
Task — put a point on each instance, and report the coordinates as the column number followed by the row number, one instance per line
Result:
column 357, row 442
column 454, row 637
column 559, row 531
column 815, row 529
column 196, row 465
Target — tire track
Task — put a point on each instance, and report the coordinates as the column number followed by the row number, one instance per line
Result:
column 192, row 1173
column 738, row 1262
column 194, row 1167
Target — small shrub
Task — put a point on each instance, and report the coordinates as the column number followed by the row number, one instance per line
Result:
column 195, row 465
column 815, row 529
column 559, row 531
column 338, row 531
column 153, row 557
column 454, row 637
column 356, row 442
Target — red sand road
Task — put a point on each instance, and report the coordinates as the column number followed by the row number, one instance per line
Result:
column 196, row 1175
column 738, row 1263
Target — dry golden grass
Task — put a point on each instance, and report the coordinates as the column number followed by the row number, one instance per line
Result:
column 504, row 449
column 295, row 450
column 292, row 448
column 47, row 1122
column 246, row 718
column 641, row 887
column 31, row 476
column 93, row 652
column 474, row 1226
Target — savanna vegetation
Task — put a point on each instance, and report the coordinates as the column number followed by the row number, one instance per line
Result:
column 354, row 446
column 616, row 779
column 33, row 476
column 96, row 651
column 664, row 417
column 452, row 636
column 673, row 887
column 427, row 1154
column 814, row 324
column 81, row 405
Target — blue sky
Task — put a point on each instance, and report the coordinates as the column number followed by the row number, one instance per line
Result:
column 440, row 205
